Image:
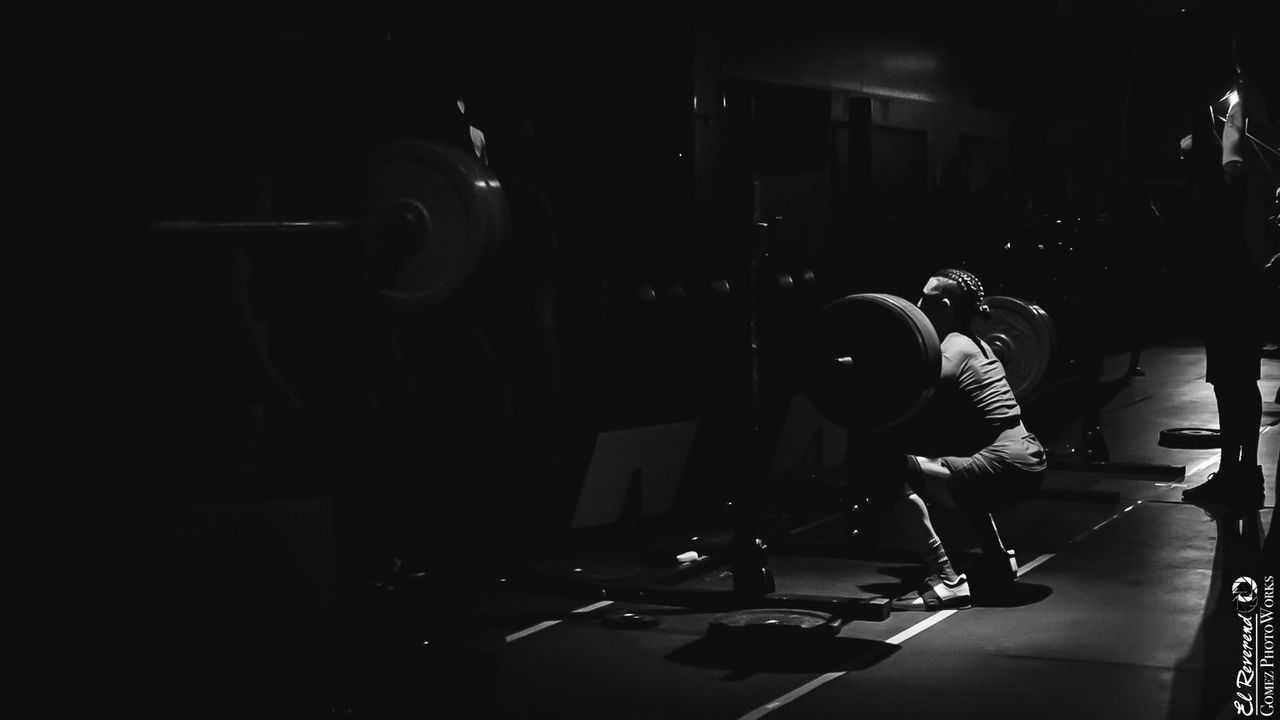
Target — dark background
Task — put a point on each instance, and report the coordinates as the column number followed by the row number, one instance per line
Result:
column 883, row 144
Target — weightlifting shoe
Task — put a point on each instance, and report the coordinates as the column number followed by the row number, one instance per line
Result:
column 1235, row 488
column 937, row 594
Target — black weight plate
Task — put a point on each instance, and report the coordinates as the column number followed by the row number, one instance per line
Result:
column 461, row 215
column 630, row 620
column 1023, row 338
column 871, row 362
column 1191, row 438
column 774, row 621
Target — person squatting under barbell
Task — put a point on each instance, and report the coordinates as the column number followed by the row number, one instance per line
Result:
column 967, row 450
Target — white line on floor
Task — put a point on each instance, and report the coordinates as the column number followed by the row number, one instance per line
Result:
column 919, row 627
column 1099, row 526
column 552, row 623
column 794, row 694
column 531, row 630
column 1034, row 564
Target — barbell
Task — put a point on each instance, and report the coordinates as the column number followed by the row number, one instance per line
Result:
column 873, row 360
column 431, row 215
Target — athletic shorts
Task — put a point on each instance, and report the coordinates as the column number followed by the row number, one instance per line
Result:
column 1011, row 468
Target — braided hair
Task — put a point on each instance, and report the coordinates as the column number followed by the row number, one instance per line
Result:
column 970, row 297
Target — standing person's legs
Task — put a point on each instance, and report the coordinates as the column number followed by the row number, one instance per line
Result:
column 1233, row 366
column 1239, row 415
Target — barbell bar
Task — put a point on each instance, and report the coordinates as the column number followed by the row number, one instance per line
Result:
column 431, row 216
column 251, row 226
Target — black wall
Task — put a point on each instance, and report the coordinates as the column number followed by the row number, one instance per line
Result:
column 883, row 147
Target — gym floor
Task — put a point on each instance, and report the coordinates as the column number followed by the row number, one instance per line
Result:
column 1121, row 613
column 1123, row 608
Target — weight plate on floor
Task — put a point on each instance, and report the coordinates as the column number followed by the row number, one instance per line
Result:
column 774, row 622
column 1191, row 438
column 630, row 620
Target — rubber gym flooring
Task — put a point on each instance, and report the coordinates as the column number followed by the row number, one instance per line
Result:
column 1121, row 610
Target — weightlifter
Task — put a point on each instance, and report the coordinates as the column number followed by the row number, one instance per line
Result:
column 968, row 450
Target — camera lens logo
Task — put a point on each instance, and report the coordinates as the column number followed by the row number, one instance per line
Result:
column 1245, row 591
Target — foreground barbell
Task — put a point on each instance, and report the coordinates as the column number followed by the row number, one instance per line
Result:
column 873, row 360
column 431, row 215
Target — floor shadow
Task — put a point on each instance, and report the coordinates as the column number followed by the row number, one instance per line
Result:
column 1019, row 594
column 888, row 589
column 743, row 657
column 1110, row 388
column 909, row 577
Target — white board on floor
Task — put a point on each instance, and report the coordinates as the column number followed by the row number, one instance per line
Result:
column 654, row 456
column 807, row 442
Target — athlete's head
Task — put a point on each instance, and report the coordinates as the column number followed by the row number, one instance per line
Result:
column 951, row 299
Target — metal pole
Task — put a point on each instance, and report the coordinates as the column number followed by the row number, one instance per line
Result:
column 751, row 573
column 247, row 226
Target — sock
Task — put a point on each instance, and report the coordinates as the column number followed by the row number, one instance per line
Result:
column 936, row 560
